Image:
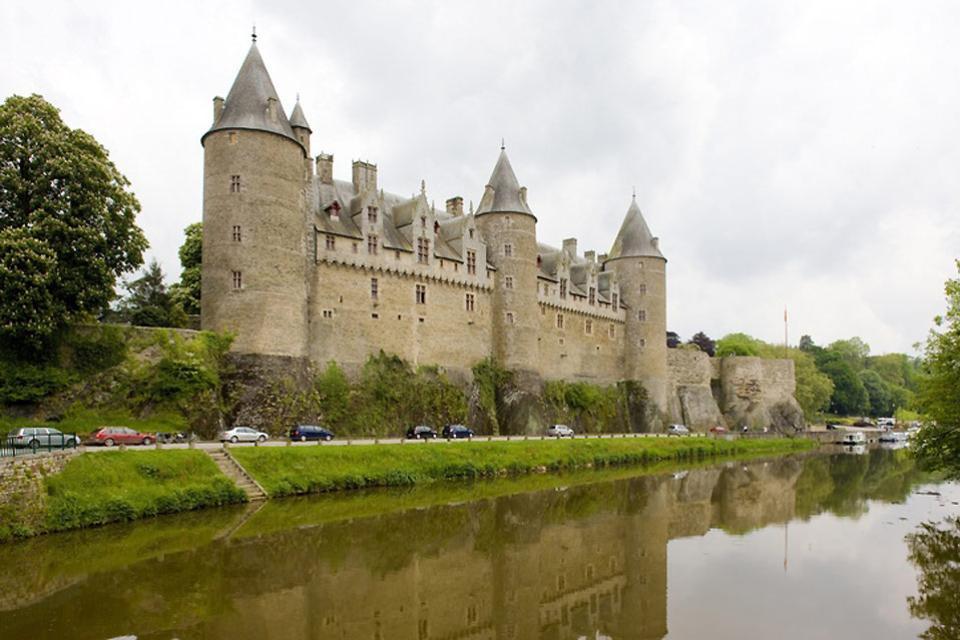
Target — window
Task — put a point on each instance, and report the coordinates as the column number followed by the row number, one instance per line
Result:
column 509, row 317
column 423, row 250
column 373, row 242
column 374, row 289
column 396, row 255
column 470, row 233
column 588, row 327
column 372, row 215
column 456, row 266
column 328, row 313
column 508, row 282
column 643, row 342
column 642, row 315
column 508, row 250
column 612, row 331
column 423, row 222
column 334, row 210
column 642, row 290
column 237, row 280
column 559, row 321
column 592, row 296
column 421, row 294
column 236, row 233
column 356, row 247
column 470, row 302
column 615, row 299
column 472, row 616
column 331, row 242
column 234, row 184
column 563, row 288
column 471, row 262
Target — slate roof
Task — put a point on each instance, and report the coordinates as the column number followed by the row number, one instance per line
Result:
column 503, row 192
column 297, row 119
column 634, row 239
column 246, row 104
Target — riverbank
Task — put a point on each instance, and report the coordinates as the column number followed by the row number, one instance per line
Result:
column 91, row 489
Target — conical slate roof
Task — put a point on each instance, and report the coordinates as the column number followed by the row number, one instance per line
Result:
column 503, row 192
column 246, row 104
column 297, row 119
column 634, row 239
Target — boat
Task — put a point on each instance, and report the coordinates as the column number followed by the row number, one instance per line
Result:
column 894, row 436
column 853, row 438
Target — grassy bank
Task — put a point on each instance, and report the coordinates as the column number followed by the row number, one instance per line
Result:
column 97, row 488
column 301, row 470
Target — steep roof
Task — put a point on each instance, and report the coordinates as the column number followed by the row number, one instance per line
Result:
column 297, row 119
column 634, row 239
column 503, row 193
column 246, row 104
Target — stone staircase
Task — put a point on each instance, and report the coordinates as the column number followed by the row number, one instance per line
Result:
column 232, row 469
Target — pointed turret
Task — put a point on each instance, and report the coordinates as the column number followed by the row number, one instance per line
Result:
column 301, row 129
column 297, row 119
column 252, row 102
column 504, row 193
column 634, row 239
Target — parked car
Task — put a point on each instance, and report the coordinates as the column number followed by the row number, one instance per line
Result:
column 109, row 436
column 453, row 431
column 304, row 432
column 718, row 430
column 243, row 434
column 421, row 432
column 41, row 437
column 678, row 430
column 560, row 431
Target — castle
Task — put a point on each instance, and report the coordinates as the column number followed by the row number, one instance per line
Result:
column 301, row 265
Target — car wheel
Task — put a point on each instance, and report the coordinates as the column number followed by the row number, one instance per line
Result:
column 108, row 442
column 146, row 442
column 303, row 438
column 34, row 445
column 234, row 439
column 262, row 439
column 328, row 438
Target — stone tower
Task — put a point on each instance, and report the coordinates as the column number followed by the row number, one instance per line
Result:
column 509, row 229
column 641, row 271
column 254, row 260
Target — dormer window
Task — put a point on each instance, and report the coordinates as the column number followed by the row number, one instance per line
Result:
column 436, row 227
column 470, row 233
column 334, row 210
column 563, row 288
column 592, row 296
column 423, row 250
column 423, row 222
column 372, row 215
column 539, row 261
column 373, row 243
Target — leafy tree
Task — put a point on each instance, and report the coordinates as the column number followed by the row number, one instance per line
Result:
column 878, row 391
column 738, row 344
column 149, row 304
column 673, row 340
column 67, row 220
column 806, row 344
column 814, row 388
column 187, row 291
column 703, row 341
column 935, row 551
column 938, row 444
column 849, row 395
column 853, row 351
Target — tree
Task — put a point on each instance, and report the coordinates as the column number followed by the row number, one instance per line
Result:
column 806, row 344
column 187, row 291
column 938, row 444
column 849, row 395
column 853, row 351
column 67, row 218
column 935, row 551
column 703, row 341
column 738, row 344
column 673, row 340
column 814, row 388
column 878, row 391
column 149, row 304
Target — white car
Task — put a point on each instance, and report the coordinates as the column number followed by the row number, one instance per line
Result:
column 560, row 431
column 678, row 430
column 243, row 434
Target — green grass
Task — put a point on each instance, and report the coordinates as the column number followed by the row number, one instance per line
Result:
column 301, row 470
column 117, row 486
column 86, row 421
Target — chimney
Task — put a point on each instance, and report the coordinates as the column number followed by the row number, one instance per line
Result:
column 325, row 167
column 602, row 257
column 656, row 243
column 364, row 176
column 591, row 256
column 523, row 195
column 217, row 109
column 455, row 206
column 272, row 109
column 570, row 246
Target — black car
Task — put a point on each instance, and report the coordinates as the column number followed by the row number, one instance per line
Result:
column 421, row 432
column 304, row 432
column 456, row 431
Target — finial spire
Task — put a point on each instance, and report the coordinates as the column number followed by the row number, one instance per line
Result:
column 471, row 207
column 634, row 193
column 423, row 187
column 253, row 35
column 503, row 144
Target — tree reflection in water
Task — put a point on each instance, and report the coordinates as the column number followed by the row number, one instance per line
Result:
column 935, row 551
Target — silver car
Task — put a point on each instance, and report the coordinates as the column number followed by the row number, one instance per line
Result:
column 243, row 434
column 42, row 437
column 560, row 431
column 678, row 430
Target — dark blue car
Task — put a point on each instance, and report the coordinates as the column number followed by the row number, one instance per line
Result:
column 456, row 431
column 304, row 432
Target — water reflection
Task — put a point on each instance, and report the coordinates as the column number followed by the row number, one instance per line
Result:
column 935, row 551
column 569, row 561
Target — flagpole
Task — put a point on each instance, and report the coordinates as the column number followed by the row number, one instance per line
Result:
column 786, row 342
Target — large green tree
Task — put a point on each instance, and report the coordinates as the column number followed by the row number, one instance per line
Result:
column 187, row 291
column 938, row 444
column 149, row 303
column 849, row 395
column 67, row 222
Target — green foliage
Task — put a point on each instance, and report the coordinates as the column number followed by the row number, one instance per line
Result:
column 333, row 391
column 67, row 222
column 935, row 551
column 739, row 344
column 149, row 303
column 97, row 488
column 488, row 379
column 853, row 351
column 849, row 395
column 703, row 341
column 24, row 383
column 878, row 393
column 589, row 408
column 187, row 292
column 814, row 388
column 300, row 470
column 938, row 443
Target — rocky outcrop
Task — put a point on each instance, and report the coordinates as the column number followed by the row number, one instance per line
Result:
column 759, row 393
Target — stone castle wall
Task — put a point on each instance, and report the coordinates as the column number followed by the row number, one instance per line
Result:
column 589, row 347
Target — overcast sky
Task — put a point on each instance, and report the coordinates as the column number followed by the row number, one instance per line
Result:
column 798, row 154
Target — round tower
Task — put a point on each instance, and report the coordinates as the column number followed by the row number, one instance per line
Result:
column 509, row 229
column 254, row 261
column 641, row 272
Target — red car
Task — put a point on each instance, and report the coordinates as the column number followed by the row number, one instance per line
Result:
column 718, row 429
column 109, row 436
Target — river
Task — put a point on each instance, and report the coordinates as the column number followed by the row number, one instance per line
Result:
column 806, row 546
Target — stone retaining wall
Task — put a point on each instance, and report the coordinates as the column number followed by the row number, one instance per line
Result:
column 22, row 494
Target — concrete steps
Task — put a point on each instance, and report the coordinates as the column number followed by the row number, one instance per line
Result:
column 232, row 469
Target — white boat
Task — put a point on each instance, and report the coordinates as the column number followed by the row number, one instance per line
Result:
column 853, row 437
column 894, row 436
